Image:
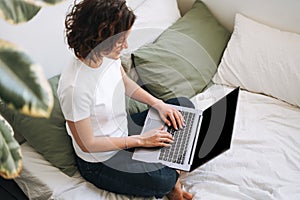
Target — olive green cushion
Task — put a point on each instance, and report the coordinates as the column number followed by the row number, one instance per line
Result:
column 133, row 106
column 182, row 61
column 47, row 136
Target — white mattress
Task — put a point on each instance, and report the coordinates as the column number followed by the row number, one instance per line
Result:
column 263, row 162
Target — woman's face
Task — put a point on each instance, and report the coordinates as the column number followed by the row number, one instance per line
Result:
column 120, row 44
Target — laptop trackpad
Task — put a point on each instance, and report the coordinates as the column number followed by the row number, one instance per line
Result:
column 152, row 124
column 153, row 121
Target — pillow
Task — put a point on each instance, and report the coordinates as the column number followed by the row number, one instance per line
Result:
column 47, row 136
column 146, row 28
column 133, row 106
column 262, row 59
column 182, row 61
column 153, row 17
column 134, row 4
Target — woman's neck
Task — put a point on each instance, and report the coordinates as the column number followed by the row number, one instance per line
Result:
column 93, row 63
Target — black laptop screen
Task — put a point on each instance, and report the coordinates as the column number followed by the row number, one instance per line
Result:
column 216, row 129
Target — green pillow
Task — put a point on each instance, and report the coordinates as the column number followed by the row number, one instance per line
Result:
column 47, row 136
column 182, row 61
column 133, row 106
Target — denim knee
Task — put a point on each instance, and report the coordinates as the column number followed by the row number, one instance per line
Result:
column 164, row 182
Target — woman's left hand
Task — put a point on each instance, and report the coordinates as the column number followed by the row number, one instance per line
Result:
column 170, row 115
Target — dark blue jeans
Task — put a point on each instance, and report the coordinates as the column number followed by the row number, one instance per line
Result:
column 123, row 175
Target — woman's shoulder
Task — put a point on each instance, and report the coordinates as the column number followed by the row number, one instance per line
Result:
column 108, row 62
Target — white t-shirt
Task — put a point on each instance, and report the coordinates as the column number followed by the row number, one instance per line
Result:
column 98, row 93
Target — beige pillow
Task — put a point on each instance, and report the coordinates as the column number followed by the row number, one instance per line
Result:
column 262, row 59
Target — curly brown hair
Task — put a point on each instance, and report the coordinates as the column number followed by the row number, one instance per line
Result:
column 91, row 24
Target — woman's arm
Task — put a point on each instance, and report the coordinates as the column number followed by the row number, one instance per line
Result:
column 169, row 114
column 82, row 132
column 134, row 91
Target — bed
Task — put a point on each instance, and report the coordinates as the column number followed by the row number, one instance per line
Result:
column 209, row 53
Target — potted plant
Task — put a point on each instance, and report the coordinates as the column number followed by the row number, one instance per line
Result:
column 23, row 85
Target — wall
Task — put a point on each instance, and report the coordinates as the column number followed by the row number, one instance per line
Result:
column 282, row 14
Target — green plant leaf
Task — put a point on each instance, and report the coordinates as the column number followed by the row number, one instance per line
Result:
column 17, row 11
column 10, row 154
column 23, row 85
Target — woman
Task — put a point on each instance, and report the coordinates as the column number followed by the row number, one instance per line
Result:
column 92, row 97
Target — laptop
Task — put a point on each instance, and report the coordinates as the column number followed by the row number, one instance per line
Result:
column 206, row 134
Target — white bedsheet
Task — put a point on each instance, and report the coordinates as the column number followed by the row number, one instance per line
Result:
column 263, row 162
column 40, row 181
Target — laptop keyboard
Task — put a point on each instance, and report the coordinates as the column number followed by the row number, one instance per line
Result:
column 177, row 151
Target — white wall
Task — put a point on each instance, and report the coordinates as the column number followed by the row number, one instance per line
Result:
column 282, row 14
column 42, row 38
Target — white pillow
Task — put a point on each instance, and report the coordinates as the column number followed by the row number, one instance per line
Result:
column 133, row 4
column 153, row 17
column 262, row 59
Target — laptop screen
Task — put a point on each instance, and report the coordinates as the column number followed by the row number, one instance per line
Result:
column 216, row 129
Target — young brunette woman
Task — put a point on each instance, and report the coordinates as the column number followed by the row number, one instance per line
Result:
column 92, row 98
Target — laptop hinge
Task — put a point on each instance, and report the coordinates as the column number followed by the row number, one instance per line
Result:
column 195, row 139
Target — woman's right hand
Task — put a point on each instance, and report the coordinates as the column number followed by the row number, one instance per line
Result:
column 156, row 138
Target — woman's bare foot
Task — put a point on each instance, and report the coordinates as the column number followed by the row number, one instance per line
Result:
column 178, row 194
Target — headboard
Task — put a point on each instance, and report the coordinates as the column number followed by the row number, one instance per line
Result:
column 280, row 14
